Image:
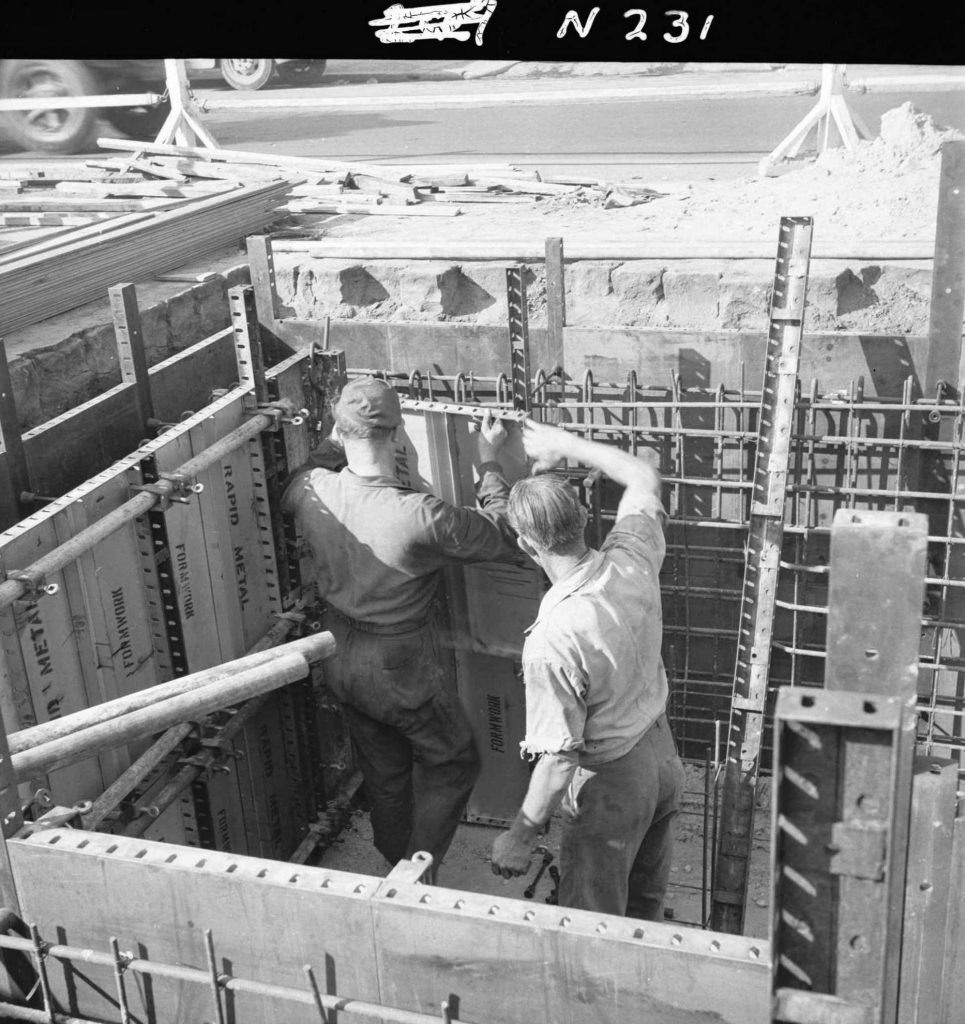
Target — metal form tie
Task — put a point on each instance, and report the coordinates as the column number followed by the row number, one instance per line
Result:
column 34, row 582
column 171, row 487
column 282, row 411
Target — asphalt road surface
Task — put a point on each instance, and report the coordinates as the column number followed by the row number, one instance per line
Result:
column 698, row 138
column 692, row 138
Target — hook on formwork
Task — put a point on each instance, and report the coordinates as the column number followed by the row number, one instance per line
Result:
column 34, row 583
column 282, row 411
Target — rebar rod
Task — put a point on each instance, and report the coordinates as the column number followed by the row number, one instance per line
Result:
column 11, row 1011
column 177, row 972
column 13, row 589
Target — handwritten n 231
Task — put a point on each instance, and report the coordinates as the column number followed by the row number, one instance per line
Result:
column 679, row 27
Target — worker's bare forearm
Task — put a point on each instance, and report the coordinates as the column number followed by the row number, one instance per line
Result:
column 547, row 785
column 548, row 446
column 621, row 467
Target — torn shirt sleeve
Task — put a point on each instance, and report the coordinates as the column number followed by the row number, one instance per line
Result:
column 555, row 707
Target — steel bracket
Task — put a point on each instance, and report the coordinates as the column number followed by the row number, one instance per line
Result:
column 56, row 817
column 171, row 487
column 281, row 411
column 413, row 869
column 794, row 1006
column 859, row 849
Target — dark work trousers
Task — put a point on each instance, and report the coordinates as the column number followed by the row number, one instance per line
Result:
column 413, row 741
column 618, row 829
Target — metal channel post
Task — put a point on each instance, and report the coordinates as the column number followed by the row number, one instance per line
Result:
column 948, row 276
column 518, row 337
column 843, row 783
column 261, row 265
column 555, row 304
column 130, row 348
column 759, row 591
column 244, row 323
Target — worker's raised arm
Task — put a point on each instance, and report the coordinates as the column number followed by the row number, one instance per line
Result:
column 548, row 446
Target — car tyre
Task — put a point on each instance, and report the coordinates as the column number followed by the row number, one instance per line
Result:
column 247, row 72
column 50, row 131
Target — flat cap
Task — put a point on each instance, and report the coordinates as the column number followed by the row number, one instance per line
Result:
column 369, row 402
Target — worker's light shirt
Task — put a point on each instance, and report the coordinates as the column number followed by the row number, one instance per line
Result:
column 378, row 547
column 595, row 680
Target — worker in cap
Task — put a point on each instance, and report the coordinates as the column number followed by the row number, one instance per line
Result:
column 596, row 689
column 379, row 548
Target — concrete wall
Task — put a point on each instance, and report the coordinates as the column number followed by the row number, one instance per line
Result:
column 71, row 359
column 57, row 365
column 704, row 294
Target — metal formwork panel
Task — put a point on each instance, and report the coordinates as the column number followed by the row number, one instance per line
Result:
column 837, row 812
column 506, row 961
column 168, row 827
column 927, row 901
column 43, row 666
column 191, row 576
column 267, row 920
column 495, row 700
column 952, row 976
column 489, row 606
column 267, row 786
column 116, row 617
column 138, row 607
column 840, row 814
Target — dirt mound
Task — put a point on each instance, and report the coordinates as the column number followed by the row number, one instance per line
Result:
column 886, row 190
column 909, row 140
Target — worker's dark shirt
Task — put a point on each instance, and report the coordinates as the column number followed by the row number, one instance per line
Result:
column 378, row 546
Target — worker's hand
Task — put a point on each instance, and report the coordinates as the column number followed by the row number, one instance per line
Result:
column 545, row 445
column 492, row 436
column 511, row 855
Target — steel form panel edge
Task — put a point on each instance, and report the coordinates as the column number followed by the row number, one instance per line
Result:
column 843, row 792
column 398, row 943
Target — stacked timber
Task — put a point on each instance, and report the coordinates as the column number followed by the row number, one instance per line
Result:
column 143, row 237
column 339, row 187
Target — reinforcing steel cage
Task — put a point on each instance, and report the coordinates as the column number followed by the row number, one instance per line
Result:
column 848, row 450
